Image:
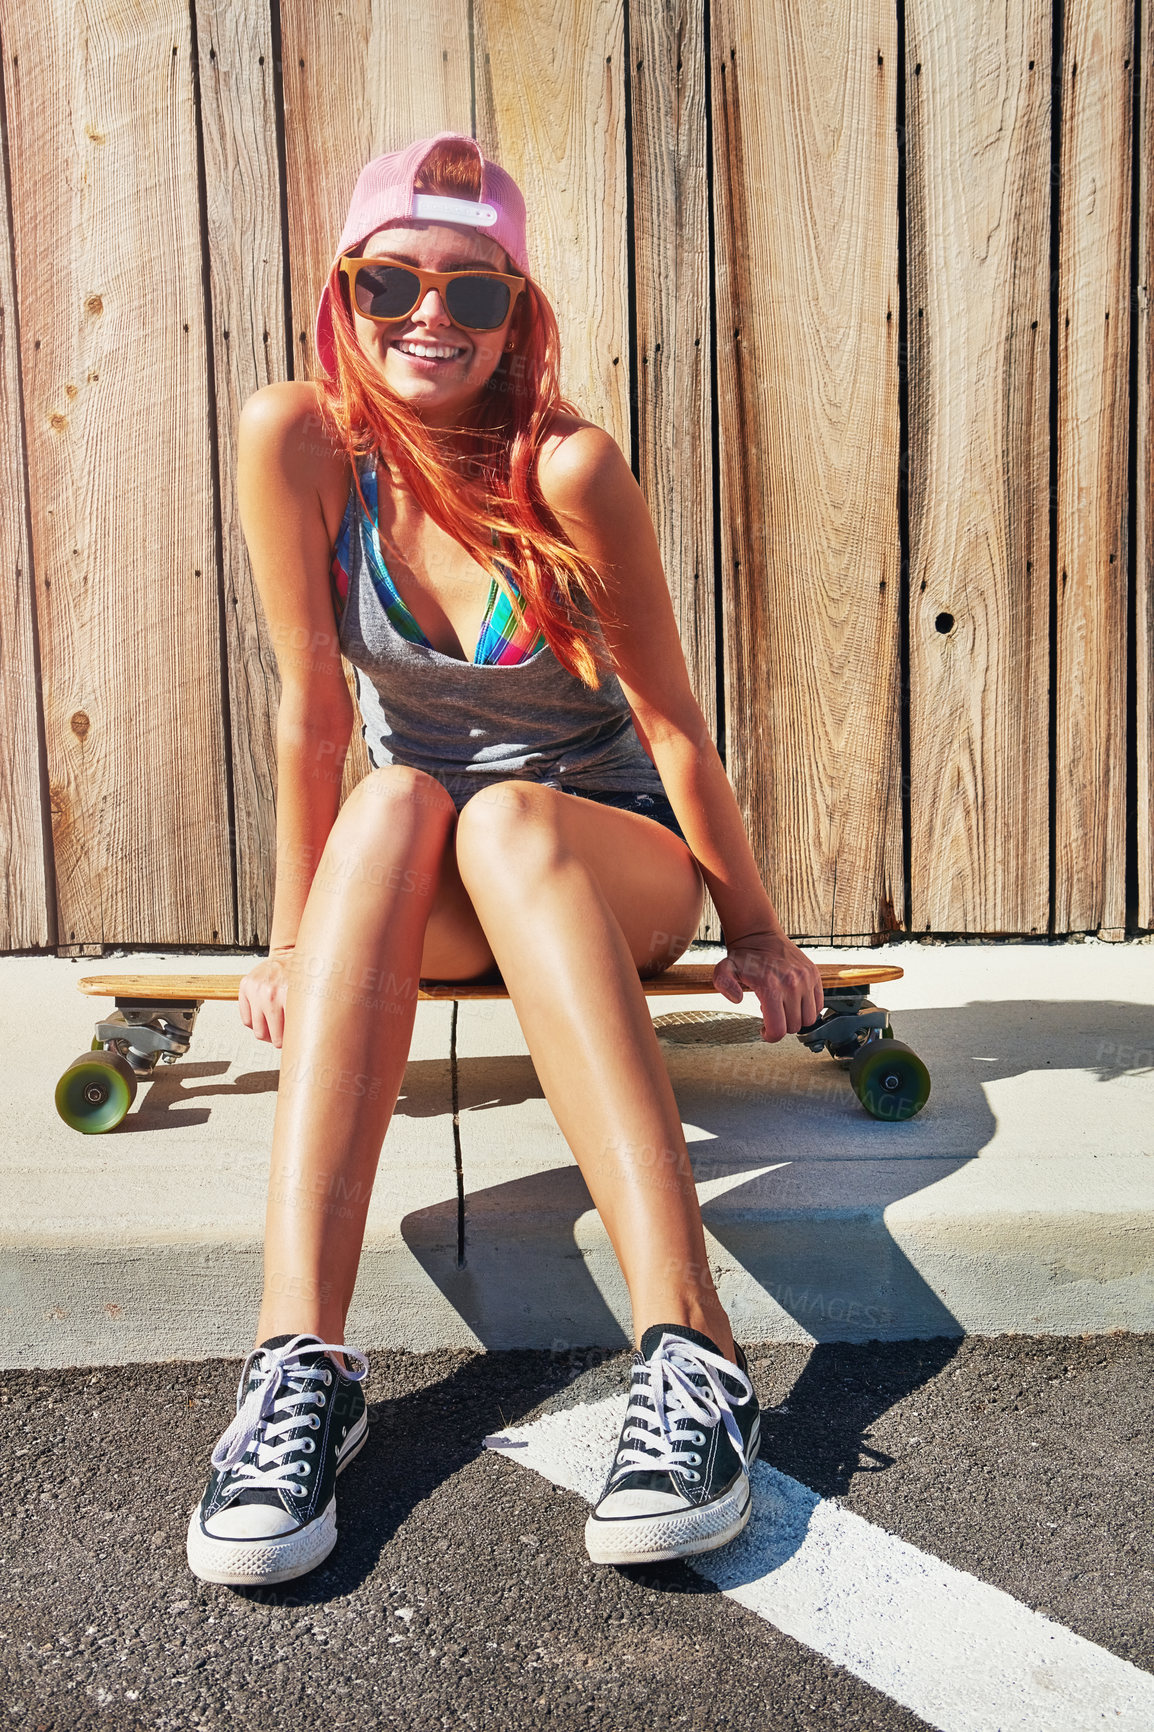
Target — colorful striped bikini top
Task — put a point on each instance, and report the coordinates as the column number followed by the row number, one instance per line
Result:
column 503, row 641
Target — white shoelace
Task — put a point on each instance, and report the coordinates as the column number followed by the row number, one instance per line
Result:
column 663, row 1389
column 269, row 1411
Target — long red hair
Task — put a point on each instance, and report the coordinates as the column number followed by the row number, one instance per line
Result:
column 491, row 500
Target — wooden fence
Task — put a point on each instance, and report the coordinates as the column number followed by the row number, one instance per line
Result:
column 861, row 287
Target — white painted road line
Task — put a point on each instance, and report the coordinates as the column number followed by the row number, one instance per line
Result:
column 964, row 1656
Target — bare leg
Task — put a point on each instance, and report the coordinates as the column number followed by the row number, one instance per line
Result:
column 599, row 894
column 364, row 941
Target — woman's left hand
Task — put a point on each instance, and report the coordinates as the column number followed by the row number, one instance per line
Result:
column 787, row 983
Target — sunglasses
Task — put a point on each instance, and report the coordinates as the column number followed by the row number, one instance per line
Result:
column 475, row 300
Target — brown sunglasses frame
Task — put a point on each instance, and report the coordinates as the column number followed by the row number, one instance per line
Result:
column 349, row 264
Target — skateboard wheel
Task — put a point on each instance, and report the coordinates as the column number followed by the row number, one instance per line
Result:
column 95, row 1092
column 890, row 1080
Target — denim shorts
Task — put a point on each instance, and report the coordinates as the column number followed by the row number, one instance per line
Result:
column 654, row 806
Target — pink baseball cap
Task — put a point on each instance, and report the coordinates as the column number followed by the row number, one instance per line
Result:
column 384, row 193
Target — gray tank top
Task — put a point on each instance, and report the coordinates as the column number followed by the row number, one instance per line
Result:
column 469, row 726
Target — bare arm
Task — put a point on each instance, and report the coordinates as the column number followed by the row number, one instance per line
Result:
column 591, row 489
column 278, row 473
column 593, row 493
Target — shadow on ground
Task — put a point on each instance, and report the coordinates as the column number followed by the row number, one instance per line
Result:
column 795, row 1179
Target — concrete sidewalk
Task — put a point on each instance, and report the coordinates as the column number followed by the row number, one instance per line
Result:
column 1018, row 1200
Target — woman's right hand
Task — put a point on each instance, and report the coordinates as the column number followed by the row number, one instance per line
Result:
column 262, row 995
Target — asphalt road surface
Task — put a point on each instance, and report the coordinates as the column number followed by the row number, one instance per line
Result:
column 459, row 1594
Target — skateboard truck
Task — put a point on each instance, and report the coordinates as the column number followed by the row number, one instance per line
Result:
column 98, row 1088
column 148, row 1031
column 887, row 1076
column 848, row 1022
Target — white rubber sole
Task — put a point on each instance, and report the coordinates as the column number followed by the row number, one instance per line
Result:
column 678, row 1534
column 260, row 1563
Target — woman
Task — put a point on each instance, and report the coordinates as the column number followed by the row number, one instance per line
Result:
column 545, row 802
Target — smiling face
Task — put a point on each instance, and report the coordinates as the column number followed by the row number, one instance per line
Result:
column 437, row 367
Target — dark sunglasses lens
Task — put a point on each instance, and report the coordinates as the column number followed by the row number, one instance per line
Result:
column 479, row 303
column 386, row 291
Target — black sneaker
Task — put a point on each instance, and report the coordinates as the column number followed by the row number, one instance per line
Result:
column 269, row 1512
column 679, row 1483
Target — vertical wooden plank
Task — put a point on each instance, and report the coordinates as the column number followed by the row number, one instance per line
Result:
column 805, row 171
column 1144, row 480
column 978, row 177
column 673, row 337
column 551, row 109
column 1093, row 426
column 360, row 81
column 25, row 922
column 103, row 163
column 243, row 216
column 673, row 322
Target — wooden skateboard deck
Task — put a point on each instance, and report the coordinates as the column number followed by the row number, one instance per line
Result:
column 684, row 977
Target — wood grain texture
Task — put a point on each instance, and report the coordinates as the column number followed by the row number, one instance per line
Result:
column 687, row 977
column 1093, row 429
column 102, row 140
column 25, row 836
column 673, row 325
column 673, row 316
column 358, row 81
column 805, row 173
column 978, row 179
column 1144, row 483
column 550, row 102
column 247, row 277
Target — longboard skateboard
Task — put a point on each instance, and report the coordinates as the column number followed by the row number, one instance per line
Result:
column 155, row 1016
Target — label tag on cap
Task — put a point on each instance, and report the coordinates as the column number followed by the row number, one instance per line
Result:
column 453, row 210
